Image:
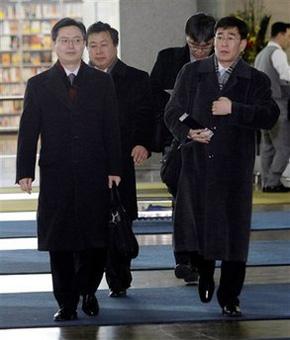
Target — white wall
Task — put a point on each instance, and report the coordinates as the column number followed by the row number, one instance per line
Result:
column 147, row 26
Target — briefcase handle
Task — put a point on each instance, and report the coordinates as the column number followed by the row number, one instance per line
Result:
column 115, row 196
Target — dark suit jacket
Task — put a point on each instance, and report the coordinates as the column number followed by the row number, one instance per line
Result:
column 163, row 75
column 80, row 147
column 135, row 116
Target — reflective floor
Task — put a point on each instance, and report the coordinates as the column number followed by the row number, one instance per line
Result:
column 223, row 330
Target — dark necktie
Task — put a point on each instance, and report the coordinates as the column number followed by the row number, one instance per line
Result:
column 71, row 78
column 72, row 91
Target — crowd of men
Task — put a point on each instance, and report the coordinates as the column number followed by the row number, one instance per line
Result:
column 97, row 121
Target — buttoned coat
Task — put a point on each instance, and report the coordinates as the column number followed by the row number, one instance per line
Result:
column 80, row 147
column 214, row 198
column 136, row 116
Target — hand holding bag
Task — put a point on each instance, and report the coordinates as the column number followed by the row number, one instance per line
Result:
column 121, row 236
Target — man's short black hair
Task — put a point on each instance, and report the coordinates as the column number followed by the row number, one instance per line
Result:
column 100, row 26
column 231, row 21
column 67, row 22
column 200, row 27
column 279, row 27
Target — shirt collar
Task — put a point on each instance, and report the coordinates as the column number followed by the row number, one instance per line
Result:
column 75, row 72
column 273, row 43
column 221, row 68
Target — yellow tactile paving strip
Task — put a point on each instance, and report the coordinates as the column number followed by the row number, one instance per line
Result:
column 155, row 191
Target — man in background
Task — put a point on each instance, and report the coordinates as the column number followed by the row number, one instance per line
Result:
column 135, row 117
column 199, row 32
column 275, row 143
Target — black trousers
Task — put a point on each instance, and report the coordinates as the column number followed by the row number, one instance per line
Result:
column 75, row 274
column 231, row 280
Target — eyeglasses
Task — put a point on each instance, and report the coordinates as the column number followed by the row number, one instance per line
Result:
column 75, row 41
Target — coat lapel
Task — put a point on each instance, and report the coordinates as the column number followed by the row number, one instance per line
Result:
column 207, row 70
column 83, row 83
column 119, row 70
column 55, row 84
column 241, row 70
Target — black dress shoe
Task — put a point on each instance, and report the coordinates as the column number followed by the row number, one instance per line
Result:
column 90, row 305
column 232, row 310
column 277, row 189
column 187, row 273
column 118, row 293
column 205, row 289
column 64, row 314
column 192, row 278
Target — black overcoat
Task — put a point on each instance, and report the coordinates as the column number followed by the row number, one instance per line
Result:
column 164, row 73
column 80, row 147
column 135, row 115
column 163, row 76
column 214, row 198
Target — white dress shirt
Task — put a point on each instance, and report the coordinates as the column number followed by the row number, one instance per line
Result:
column 280, row 62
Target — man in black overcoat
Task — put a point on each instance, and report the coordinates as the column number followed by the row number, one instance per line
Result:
column 73, row 109
column 199, row 32
column 135, row 116
column 231, row 100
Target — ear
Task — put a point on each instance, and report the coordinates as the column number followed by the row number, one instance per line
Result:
column 243, row 45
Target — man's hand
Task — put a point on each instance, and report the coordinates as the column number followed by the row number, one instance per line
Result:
column 222, row 106
column 26, row 185
column 139, row 154
column 200, row 135
column 113, row 179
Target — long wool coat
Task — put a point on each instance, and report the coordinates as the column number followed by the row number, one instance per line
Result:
column 214, row 199
column 136, row 116
column 80, row 147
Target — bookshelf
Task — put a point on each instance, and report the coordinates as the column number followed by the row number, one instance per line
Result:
column 26, row 49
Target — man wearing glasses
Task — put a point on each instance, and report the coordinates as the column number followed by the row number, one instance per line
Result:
column 199, row 32
column 73, row 109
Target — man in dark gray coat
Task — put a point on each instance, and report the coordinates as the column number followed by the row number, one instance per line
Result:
column 230, row 100
column 73, row 108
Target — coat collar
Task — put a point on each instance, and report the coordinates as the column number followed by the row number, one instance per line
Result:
column 185, row 54
column 119, row 69
column 242, row 69
column 57, row 82
column 207, row 67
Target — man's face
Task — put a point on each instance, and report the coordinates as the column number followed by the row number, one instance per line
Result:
column 285, row 39
column 228, row 45
column 199, row 50
column 69, row 45
column 102, row 51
